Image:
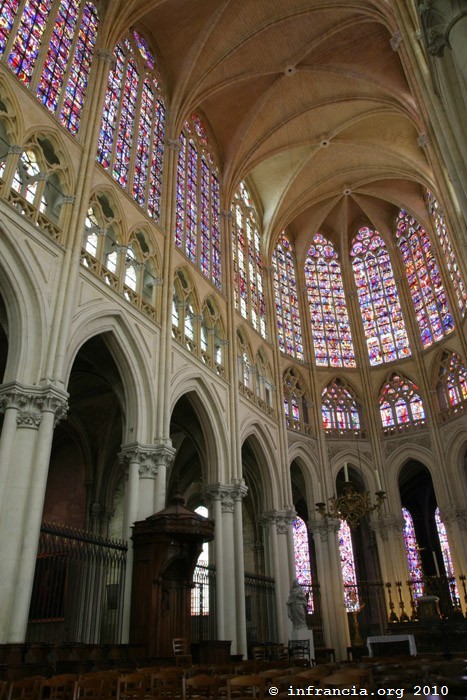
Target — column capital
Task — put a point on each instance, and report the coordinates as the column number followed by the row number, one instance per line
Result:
column 280, row 518
column 173, row 144
column 31, row 402
column 239, row 489
column 107, row 56
column 324, row 527
column 452, row 515
column 148, row 457
column 386, row 524
column 223, row 493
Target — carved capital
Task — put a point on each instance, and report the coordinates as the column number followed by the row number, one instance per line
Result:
column 107, row 57
column 396, row 41
column 324, row 527
column 222, row 493
column 147, row 457
column 239, row 489
column 31, row 402
column 174, row 145
column 434, row 19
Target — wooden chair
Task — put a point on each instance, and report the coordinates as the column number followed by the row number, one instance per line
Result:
column 181, row 651
column 3, row 689
column 131, row 686
column 166, row 683
column 344, row 679
column 89, row 688
column 200, row 686
column 25, row 689
column 246, row 688
column 58, row 687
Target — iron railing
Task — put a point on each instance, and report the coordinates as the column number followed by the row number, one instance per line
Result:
column 261, row 624
column 78, row 588
column 203, row 604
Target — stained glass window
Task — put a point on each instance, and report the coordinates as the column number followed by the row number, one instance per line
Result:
column 302, row 559
column 200, row 591
column 447, row 558
column 197, row 218
column 63, row 73
column 8, row 10
column 378, row 298
column 332, row 339
column 449, row 256
column 426, row 287
column 295, row 403
column 349, row 574
column 400, row 404
column 413, row 554
column 452, row 381
column 131, row 139
column 247, row 261
column 286, row 298
column 339, row 408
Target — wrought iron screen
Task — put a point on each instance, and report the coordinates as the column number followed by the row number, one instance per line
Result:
column 78, row 588
column 203, row 604
column 261, row 624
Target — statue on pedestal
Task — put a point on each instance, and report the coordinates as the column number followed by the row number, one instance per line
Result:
column 297, row 606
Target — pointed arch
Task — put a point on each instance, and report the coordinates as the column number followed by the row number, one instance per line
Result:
column 400, row 404
column 340, row 409
column 197, row 214
column 248, row 260
column 451, row 383
column 295, row 401
column 378, row 298
column 330, row 327
column 287, row 299
column 424, row 279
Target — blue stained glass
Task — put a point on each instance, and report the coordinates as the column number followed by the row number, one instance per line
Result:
column 286, row 298
column 28, row 38
column 426, row 287
column 378, row 298
column 302, row 558
column 400, row 403
column 8, row 10
column 413, row 554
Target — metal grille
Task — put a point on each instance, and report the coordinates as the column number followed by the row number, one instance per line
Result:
column 370, row 617
column 315, row 619
column 260, row 608
column 78, row 588
column 203, row 604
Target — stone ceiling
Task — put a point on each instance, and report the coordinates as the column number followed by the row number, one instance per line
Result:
column 308, row 100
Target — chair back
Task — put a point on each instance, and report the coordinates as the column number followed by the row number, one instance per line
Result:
column 89, row 688
column 241, row 687
column 26, row 688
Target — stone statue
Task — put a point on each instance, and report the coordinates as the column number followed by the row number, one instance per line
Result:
column 296, row 606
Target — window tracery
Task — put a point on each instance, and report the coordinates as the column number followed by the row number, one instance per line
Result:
column 185, row 326
column 212, row 339
column 286, row 298
column 295, row 402
column 128, row 266
column 131, row 139
column 332, row 338
column 426, row 287
column 413, row 555
column 340, row 411
column 200, row 591
column 451, row 385
column 37, row 186
column 349, row 574
column 302, row 559
column 400, row 405
column 61, row 73
column 247, row 261
column 245, row 366
column 197, row 217
column 378, row 298
column 448, row 251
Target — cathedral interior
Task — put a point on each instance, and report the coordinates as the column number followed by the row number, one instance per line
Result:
column 233, row 290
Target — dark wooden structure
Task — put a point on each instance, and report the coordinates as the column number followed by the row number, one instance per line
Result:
column 166, row 547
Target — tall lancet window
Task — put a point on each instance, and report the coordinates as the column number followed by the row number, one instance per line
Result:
column 449, row 256
column 197, row 220
column 447, row 557
column 302, row 559
column 413, row 554
column 339, row 409
column 286, row 298
column 247, row 261
column 131, row 139
column 332, row 339
column 385, row 333
column 423, row 275
column 200, row 590
column 451, row 386
column 349, row 573
column 61, row 69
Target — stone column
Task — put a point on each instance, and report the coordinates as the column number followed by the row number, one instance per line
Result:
column 239, row 492
column 455, row 521
column 163, row 456
column 332, row 586
column 213, row 495
column 393, row 558
column 284, row 532
column 276, row 566
column 228, row 564
column 31, row 415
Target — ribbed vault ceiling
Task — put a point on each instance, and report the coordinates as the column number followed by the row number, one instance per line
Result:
column 305, row 99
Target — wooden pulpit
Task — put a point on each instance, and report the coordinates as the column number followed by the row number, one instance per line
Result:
column 166, row 547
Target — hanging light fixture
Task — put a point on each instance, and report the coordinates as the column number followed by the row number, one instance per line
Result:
column 352, row 505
